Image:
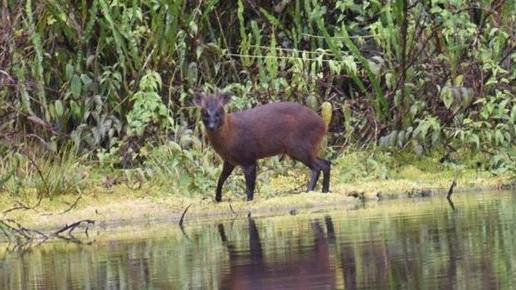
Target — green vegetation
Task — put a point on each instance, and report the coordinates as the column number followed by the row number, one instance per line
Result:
column 97, row 94
column 130, row 199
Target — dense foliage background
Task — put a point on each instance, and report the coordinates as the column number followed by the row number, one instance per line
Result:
column 113, row 78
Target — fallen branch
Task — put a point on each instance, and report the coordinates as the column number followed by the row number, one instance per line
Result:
column 72, row 206
column 450, row 202
column 19, row 206
column 19, row 230
column 232, row 210
column 181, row 220
column 70, row 228
column 450, row 191
column 24, row 238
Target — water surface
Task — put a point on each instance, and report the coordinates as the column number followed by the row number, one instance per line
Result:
column 408, row 244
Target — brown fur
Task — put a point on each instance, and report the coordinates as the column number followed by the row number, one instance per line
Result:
column 277, row 128
column 268, row 130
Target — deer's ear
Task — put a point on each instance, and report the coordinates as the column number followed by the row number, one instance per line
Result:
column 225, row 98
column 198, row 99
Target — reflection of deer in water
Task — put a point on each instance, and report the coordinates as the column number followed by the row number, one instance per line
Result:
column 249, row 270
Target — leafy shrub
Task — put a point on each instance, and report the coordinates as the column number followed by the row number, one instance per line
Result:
column 148, row 109
column 416, row 75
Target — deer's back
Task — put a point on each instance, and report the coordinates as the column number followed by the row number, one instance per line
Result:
column 274, row 129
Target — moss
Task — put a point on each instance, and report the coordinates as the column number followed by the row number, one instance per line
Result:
column 122, row 206
column 410, row 172
column 356, row 177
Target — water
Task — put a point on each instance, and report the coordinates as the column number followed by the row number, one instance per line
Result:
column 412, row 244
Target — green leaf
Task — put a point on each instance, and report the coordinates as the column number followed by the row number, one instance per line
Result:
column 499, row 137
column 59, row 108
column 69, row 71
column 193, row 27
column 198, row 51
column 475, row 139
column 447, row 97
column 351, row 65
column 401, row 138
column 76, row 86
column 436, row 136
column 86, row 81
column 458, row 81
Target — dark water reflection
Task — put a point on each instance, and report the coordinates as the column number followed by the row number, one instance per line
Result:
column 309, row 268
column 393, row 245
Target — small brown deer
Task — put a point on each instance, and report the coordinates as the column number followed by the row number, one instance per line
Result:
column 277, row 128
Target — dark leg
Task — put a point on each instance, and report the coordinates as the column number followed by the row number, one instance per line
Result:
column 316, row 165
column 250, row 179
column 326, row 168
column 304, row 155
column 313, row 179
column 227, row 168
